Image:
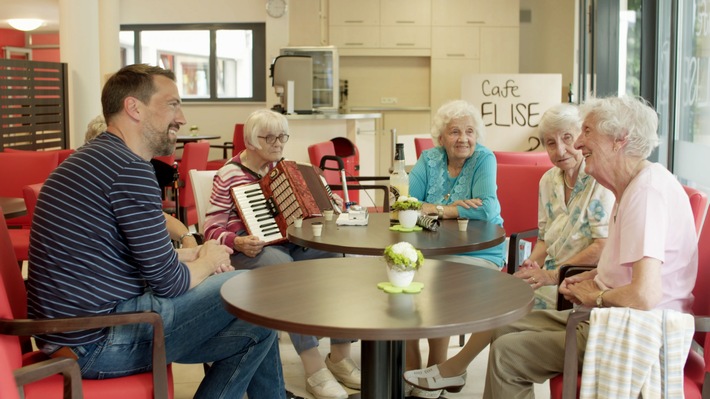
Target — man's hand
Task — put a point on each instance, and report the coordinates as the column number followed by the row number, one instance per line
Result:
column 250, row 246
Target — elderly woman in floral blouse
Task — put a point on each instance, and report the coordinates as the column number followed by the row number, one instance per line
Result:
column 573, row 210
column 573, row 218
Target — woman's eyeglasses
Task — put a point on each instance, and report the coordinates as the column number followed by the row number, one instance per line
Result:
column 271, row 139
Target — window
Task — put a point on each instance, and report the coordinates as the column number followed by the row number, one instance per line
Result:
column 212, row 62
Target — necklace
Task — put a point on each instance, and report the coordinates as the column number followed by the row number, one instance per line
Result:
column 564, row 179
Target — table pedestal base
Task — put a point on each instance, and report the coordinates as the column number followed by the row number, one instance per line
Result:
column 382, row 369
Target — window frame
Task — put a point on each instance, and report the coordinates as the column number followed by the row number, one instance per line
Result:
column 258, row 56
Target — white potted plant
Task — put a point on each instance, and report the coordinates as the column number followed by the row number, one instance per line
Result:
column 403, row 260
column 408, row 209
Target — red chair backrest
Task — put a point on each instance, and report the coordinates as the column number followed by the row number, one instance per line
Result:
column 238, row 139
column 31, row 193
column 523, row 158
column 8, row 360
column 20, row 168
column 194, row 156
column 421, row 144
column 316, row 152
column 699, row 205
column 12, row 285
column 518, row 187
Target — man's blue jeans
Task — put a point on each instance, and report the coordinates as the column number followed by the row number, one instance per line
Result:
column 198, row 329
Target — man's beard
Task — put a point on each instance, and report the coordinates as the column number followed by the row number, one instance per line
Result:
column 161, row 144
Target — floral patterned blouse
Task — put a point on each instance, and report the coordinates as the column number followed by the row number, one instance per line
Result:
column 568, row 228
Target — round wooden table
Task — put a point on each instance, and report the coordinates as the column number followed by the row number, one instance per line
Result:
column 339, row 298
column 373, row 238
column 184, row 138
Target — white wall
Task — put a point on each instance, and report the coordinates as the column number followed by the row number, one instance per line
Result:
column 547, row 43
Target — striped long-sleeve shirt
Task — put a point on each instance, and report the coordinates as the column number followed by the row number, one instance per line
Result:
column 99, row 238
column 222, row 222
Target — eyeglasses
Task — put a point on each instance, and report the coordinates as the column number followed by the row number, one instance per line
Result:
column 271, row 139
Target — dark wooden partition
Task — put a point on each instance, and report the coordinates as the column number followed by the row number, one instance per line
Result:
column 33, row 105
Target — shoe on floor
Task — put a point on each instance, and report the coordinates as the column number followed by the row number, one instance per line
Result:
column 323, row 385
column 346, row 371
column 430, row 379
column 420, row 393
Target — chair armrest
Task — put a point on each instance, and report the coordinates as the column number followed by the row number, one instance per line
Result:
column 27, row 327
column 68, row 368
column 515, row 239
column 385, row 190
column 569, row 271
column 570, row 373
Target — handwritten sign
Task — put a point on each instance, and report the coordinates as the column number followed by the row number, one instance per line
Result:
column 511, row 106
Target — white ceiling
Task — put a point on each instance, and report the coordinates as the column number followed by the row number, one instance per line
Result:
column 47, row 10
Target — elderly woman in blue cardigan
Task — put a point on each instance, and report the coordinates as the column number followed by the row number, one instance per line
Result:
column 456, row 179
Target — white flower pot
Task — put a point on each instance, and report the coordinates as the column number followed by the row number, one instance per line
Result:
column 400, row 278
column 408, row 218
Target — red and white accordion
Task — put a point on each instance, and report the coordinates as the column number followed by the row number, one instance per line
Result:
column 291, row 190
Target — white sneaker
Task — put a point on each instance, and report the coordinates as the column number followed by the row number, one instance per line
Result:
column 420, row 393
column 346, row 371
column 322, row 385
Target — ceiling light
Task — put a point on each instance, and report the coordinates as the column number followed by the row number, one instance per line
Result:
column 25, row 24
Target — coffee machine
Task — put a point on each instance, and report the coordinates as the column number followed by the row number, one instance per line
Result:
column 292, row 80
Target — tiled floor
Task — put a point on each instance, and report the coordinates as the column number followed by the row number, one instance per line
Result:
column 187, row 377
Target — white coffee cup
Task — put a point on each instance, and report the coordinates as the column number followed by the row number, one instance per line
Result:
column 297, row 223
column 463, row 224
column 328, row 214
column 317, row 228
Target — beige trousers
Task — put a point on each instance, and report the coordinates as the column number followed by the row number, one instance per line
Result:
column 531, row 350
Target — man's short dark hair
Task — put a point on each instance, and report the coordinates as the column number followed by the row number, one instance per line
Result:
column 130, row 81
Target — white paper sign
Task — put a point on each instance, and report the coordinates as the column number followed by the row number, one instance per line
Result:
column 511, row 106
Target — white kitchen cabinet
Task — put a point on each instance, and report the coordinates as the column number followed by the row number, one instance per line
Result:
column 446, row 76
column 405, row 12
column 405, row 37
column 354, row 13
column 455, row 42
column 475, row 12
column 499, row 50
column 355, row 36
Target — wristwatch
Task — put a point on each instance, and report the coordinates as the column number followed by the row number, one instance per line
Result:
column 600, row 300
column 182, row 237
column 440, row 211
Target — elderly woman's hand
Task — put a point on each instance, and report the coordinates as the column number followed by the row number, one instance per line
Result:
column 469, row 203
column 534, row 275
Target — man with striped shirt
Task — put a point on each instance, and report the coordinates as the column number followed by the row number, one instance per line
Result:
column 99, row 245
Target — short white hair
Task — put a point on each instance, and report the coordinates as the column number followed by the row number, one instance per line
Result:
column 627, row 117
column 454, row 110
column 94, row 128
column 263, row 121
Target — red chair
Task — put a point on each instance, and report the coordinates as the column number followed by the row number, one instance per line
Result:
column 20, row 238
column 518, row 187
column 194, row 156
column 15, row 325
column 523, row 158
column 12, row 377
column 61, row 154
column 699, row 205
column 421, row 144
column 697, row 369
column 236, row 145
column 29, row 167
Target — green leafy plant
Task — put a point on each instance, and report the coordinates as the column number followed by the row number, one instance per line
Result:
column 403, row 256
column 405, row 203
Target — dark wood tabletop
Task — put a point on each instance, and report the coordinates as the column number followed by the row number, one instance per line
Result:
column 338, row 297
column 185, row 138
column 13, row 206
column 373, row 238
